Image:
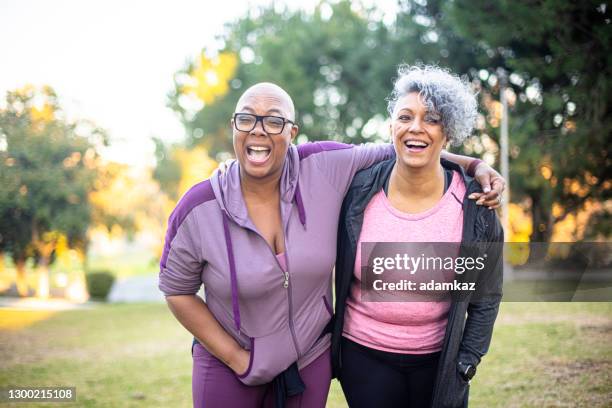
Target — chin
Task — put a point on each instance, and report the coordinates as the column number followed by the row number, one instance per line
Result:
column 415, row 162
column 256, row 172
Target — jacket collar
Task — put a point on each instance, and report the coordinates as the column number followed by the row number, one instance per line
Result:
column 370, row 181
column 228, row 193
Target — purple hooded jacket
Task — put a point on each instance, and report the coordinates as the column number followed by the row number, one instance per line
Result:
column 211, row 240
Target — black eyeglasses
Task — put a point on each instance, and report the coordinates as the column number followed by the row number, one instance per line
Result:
column 273, row 125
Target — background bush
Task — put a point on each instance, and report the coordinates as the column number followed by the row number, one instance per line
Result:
column 99, row 284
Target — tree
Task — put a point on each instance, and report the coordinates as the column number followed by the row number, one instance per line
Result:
column 339, row 61
column 47, row 168
column 556, row 55
column 553, row 56
column 167, row 170
column 179, row 168
column 336, row 63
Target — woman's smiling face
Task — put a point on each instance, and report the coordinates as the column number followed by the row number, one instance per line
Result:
column 416, row 132
column 261, row 155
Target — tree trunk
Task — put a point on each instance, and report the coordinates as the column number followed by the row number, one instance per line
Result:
column 21, row 282
column 542, row 225
column 43, row 278
column 45, row 250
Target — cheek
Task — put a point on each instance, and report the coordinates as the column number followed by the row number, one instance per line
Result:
column 396, row 133
column 282, row 145
column 437, row 135
column 238, row 143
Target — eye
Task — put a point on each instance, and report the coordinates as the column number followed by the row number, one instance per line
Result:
column 274, row 121
column 244, row 119
column 432, row 119
column 404, row 118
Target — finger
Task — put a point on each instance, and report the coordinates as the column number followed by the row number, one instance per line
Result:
column 498, row 185
column 491, row 195
column 495, row 203
column 475, row 196
column 487, row 199
column 491, row 206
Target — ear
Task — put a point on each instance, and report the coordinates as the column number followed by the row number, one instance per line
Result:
column 391, row 130
column 294, row 131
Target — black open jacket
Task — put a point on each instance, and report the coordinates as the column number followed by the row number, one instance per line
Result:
column 466, row 339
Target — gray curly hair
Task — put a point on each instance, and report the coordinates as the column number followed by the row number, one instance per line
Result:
column 442, row 92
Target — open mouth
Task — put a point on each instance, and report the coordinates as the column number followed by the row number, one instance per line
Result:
column 415, row 146
column 258, row 154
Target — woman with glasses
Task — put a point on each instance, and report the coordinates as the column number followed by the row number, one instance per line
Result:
column 420, row 350
column 261, row 237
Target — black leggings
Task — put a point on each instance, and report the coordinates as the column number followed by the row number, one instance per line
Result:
column 374, row 378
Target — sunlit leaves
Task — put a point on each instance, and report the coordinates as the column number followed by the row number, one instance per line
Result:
column 209, row 78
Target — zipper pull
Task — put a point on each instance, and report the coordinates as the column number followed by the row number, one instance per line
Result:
column 286, row 282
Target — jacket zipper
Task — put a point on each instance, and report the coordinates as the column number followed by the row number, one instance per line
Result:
column 289, row 299
column 286, row 285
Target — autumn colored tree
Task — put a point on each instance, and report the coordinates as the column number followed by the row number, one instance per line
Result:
column 336, row 63
column 178, row 168
column 47, row 169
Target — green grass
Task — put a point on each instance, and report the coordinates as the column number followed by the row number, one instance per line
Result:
column 542, row 355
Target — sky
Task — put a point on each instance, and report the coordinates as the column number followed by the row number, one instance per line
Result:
column 112, row 61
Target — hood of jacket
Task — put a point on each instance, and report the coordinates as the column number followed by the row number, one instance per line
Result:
column 228, row 192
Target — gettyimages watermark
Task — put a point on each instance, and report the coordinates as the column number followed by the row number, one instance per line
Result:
column 442, row 271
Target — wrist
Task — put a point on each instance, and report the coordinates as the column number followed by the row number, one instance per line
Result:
column 239, row 362
column 471, row 169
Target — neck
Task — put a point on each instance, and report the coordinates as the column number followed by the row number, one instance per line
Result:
column 421, row 182
column 263, row 189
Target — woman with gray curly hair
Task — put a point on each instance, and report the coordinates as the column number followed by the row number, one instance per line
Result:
column 423, row 351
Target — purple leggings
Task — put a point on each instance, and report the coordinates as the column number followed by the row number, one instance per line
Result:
column 215, row 385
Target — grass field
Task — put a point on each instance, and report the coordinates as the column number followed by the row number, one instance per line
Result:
column 542, row 355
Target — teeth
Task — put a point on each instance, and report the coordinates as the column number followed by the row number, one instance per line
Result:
column 258, row 153
column 415, row 143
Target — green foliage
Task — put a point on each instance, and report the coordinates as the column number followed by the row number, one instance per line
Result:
column 99, row 284
column 324, row 60
column 338, row 63
column 557, row 57
column 167, row 171
column 47, row 168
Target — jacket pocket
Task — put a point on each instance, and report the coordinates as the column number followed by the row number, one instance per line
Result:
column 270, row 356
column 251, row 357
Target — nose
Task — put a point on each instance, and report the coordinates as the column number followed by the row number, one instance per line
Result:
column 415, row 126
column 258, row 130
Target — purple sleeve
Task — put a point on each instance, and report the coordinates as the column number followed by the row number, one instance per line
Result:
column 341, row 161
column 181, row 263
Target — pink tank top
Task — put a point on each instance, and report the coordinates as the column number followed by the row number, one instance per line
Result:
column 403, row 327
column 282, row 260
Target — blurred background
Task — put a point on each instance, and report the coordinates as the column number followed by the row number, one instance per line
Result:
column 110, row 111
